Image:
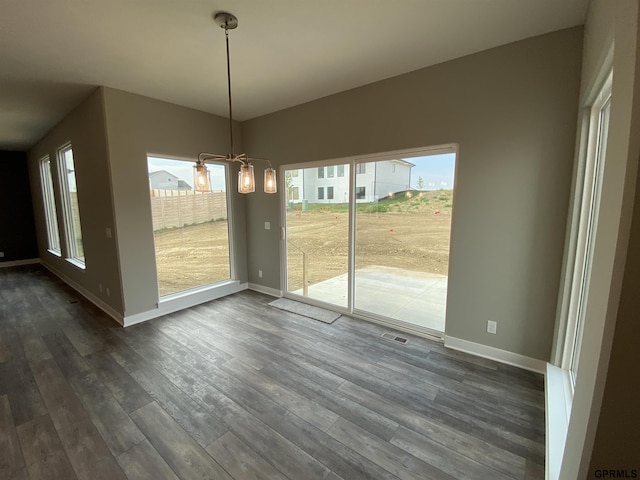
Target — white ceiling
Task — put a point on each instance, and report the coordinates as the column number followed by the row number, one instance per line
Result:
column 285, row 52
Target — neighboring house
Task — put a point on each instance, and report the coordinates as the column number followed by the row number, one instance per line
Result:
column 330, row 184
column 381, row 179
column 163, row 180
column 295, row 185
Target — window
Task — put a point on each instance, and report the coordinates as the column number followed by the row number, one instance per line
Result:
column 294, row 173
column 341, row 170
column 361, row 168
column 295, row 193
column 53, row 236
column 361, row 192
column 587, row 205
column 321, row 172
column 330, row 171
column 70, row 206
column 320, row 193
column 190, row 227
column 329, row 193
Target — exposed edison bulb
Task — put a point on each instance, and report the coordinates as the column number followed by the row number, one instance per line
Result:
column 201, row 179
column 270, row 184
column 246, row 179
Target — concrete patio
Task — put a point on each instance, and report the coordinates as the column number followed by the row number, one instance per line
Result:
column 415, row 298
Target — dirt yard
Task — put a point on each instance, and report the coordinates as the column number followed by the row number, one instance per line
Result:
column 191, row 256
column 410, row 233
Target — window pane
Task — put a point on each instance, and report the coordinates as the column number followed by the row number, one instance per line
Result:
column 53, row 235
column 71, row 210
column 190, row 228
column 317, row 243
column 321, row 172
column 341, row 170
column 591, row 198
column 330, row 171
column 402, row 237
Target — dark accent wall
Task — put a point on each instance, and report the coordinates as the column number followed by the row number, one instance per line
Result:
column 17, row 228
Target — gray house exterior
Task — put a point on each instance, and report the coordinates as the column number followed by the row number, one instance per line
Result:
column 330, row 184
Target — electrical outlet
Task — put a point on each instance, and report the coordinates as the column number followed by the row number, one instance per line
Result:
column 492, row 327
column 260, row 273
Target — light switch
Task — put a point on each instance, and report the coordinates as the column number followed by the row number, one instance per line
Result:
column 267, row 225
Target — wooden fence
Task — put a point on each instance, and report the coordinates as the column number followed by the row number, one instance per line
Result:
column 177, row 208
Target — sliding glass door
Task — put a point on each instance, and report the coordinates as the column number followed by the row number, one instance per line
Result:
column 372, row 236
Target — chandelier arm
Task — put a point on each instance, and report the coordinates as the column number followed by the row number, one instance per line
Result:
column 202, row 157
column 260, row 159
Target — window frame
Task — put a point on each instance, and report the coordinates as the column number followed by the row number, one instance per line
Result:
column 585, row 207
column 71, row 237
column 49, row 206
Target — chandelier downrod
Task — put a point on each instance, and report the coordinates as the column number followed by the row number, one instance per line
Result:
column 228, row 22
column 226, row 33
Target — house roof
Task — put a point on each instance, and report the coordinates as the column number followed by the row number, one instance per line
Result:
column 284, row 52
column 164, row 173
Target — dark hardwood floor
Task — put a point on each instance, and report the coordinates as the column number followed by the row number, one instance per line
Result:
column 235, row 389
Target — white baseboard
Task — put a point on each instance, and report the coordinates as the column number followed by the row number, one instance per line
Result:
column 171, row 305
column 87, row 294
column 180, row 302
column 496, row 354
column 17, row 263
column 266, row 290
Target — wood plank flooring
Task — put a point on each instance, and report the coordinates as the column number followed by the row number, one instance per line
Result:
column 235, row 389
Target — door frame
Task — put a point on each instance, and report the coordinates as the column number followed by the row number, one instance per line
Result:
column 352, row 161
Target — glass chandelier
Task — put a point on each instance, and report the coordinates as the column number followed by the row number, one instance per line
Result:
column 246, row 177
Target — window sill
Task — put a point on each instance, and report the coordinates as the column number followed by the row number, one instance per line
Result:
column 558, row 398
column 77, row 263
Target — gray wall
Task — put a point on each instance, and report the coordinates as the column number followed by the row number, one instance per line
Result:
column 513, row 112
column 84, row 127
column 138, row 126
